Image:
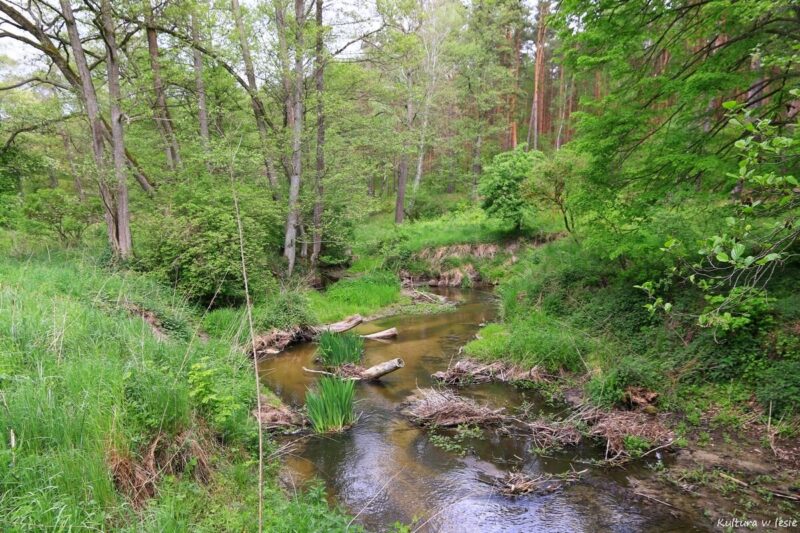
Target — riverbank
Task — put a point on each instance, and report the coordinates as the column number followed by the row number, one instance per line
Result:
column 117, row 415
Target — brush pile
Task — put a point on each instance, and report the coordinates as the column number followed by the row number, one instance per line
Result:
column 554, row 435
column 615, row 426
column 277, row 417
column 519, row 483
column 471, row 372
column 431, row 407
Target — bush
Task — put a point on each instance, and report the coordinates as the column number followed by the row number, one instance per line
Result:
column 330, row 406
column 195, row 244
column 608, row 388
column 283, row 310
column 64, row 215
column 780, row 385
column 336, row 349
column 500, row 185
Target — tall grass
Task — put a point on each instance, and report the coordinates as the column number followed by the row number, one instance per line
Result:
column 336, row 349
column 330, row 406
column 363, row 295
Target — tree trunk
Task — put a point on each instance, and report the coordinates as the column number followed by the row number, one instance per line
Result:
column 200, row 85
column 319, row 79
column 160, row 110
column 118, row 144
column 380, row 370
column 402, row 175
column 255, row 101
column 535, row 124
column 290, row 244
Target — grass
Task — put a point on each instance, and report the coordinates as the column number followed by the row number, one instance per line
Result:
column 336, row 349
column 363, row 295
column 84, row 380
column 330, row 405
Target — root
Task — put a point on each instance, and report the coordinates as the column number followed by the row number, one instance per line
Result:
column 278, row 417
column 188, row 451
column 444, row 408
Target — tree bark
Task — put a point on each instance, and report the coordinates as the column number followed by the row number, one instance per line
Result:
column 160, row 110
column 123, row 227
column 292, row 219
column 319, row 80
column 402, row 174
column 535, row 124
column 380, row 370
column 200, row 85
column 477, row 166
column 259, row 111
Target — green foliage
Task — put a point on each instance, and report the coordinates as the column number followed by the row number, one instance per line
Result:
column 635, row 445
column 195, row 244
column 330, row 405
column 61, row 214
column 779, row 386
column 155, row 399
column 283, row 309
column 608, row 387
column 500, row 185
column 456, row 441
column 336, row 349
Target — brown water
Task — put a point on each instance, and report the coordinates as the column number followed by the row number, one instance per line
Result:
column 385, row 470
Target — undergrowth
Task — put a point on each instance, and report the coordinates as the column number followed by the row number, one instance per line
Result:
column 336, row 349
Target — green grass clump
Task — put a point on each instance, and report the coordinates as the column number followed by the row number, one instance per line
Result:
column 336, row 349
column 330, row 406
column 363, row 295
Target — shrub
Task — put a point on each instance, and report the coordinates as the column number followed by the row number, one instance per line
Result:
column 336, row 349
column 194, row 245
column 608, row 388
column 500, row 185
column 780, row 385
column 283, row 310
column 330, row 406
column 54, row 211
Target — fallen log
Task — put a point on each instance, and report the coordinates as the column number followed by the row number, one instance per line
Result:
column 385, row 334
column 358, row 373
column 380, row 370
column 343, row 325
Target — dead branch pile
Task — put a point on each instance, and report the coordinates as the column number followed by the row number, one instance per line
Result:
column 614, row 426
column 469, row 371
column 551, row 435
column 445, row 408
column 421, row 297
column 277, row 417
column 519, row 483
column 136, row 478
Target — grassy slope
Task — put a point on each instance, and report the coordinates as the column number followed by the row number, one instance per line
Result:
column 84, row 382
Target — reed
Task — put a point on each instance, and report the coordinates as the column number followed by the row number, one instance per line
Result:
column 330, row 405
column 337, row 349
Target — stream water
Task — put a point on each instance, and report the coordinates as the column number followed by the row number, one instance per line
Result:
column 386, row 470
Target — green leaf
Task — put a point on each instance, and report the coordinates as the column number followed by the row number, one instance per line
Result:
column 737, row 251
column 722, row 257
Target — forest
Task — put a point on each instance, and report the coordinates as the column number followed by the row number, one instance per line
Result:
column 399, row 265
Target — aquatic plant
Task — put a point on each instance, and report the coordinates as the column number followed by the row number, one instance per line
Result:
column 337, row 349
column 330, row 405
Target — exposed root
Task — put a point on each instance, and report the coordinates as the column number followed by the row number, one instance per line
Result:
column 639, row 397
column 470, row 372
column 149, row 317
column 444, row 408
column 275, row 341
column 137, row 478
column 519, row 483
column 277, row 417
